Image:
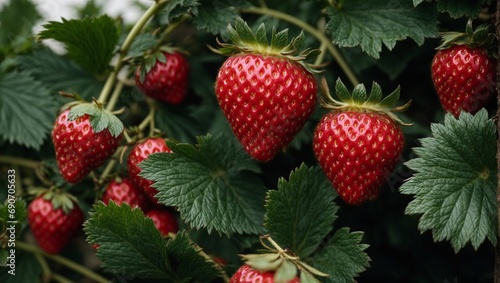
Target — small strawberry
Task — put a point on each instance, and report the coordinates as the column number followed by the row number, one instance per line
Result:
column 245, row 274
column 463, row 72
column 54, row 220
column 140, row 152
column 164, row 220
column 266, row 93
column 83, row 142
column 164, row 76
column 359, row 142
column 124, row 190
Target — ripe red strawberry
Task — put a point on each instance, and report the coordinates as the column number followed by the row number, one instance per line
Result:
column 140, row 152
column 54, row 226
column 463, row 73
column 266, row 93
column 124, row 190
column 245, row 274
column 358, row 143
column 79, row 147
column 164, row 220
column 164, row 77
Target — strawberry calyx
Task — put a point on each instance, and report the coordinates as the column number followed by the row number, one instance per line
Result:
column 481, row 36
column 152, row 56
column 285, row 265
column 99, row 118
column 358, row 100
column 59, row 199
column 244, row 40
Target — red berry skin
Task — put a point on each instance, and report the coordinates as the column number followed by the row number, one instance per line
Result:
column 140, row 152
column 164, row 220
column 464, row 78
column 79, row 150
column 267, row 100
column 357, row 150
column 245, row 274
column 52, row 228
column 167, row 82
column 124, row 190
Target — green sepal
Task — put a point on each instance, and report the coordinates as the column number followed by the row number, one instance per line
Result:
column 360, row 100
column 286, row 272
column 100, row 119
column 244, row 40
column 479, row 37
column 59, row 200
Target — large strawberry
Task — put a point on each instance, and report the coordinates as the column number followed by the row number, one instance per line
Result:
column 164, row 220
column 266, row 93
column 84, row 137
column 164, row 76
column 140, row 152
column 122, row 190
column 54, row 220
column 359, row 143
column 463, row 72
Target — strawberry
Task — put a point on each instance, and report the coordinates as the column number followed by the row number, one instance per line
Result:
column 359, row 142
column 164, row 220
column 81, row 146
column 245, row 274
column 463, row 72
column 266, row 93
column 164, row 77
column 140, row 152
column 124, row 190
column 54, row 220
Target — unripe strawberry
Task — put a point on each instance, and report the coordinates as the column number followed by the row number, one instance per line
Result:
column 359, row 143
column 265, row 92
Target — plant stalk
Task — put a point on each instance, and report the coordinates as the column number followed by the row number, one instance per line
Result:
column 63, row 261
column 497, row 248
column 320, row 36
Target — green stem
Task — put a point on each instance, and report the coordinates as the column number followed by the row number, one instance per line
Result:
column 46, row 271
column 19, row 161
column 136, row 29
column 114, row 97
column 332, row 49
column 61, row 279
column 63, row 261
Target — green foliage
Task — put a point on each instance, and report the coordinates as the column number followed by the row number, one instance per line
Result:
column 455, row 181
column 90, row 42
column 178, row 122
column 343, row 257
column 458, row 8
column 100, row 119
column 130, row 244
column 369, row 24
column 28, row 269
column 58, row 73
column 214, row 16
column 16, row 34
column 301, row 212
column 176, row 8
column 213, row 184
column 25, row 102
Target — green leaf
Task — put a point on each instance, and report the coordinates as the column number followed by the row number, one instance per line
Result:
column 129, row 243
column 141, row 44
column 25, row 102
column 301, row 212
column 343, row 257
column 369, row 24
column 178, row 122
column 58, row 73
column 455, row 181
column 13, row 212
column 214, row 16
column 100, row 119
column 90, row 42
column 16, row 34
column 183, row 257
column 176, row 8
column 214, row 185
column 458, row 8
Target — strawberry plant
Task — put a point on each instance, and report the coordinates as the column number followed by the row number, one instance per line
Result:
column 250, row 141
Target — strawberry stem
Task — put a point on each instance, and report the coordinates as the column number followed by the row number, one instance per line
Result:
column 63, row 261
column 136, row 29
column 28, row 163
column 320, row 36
